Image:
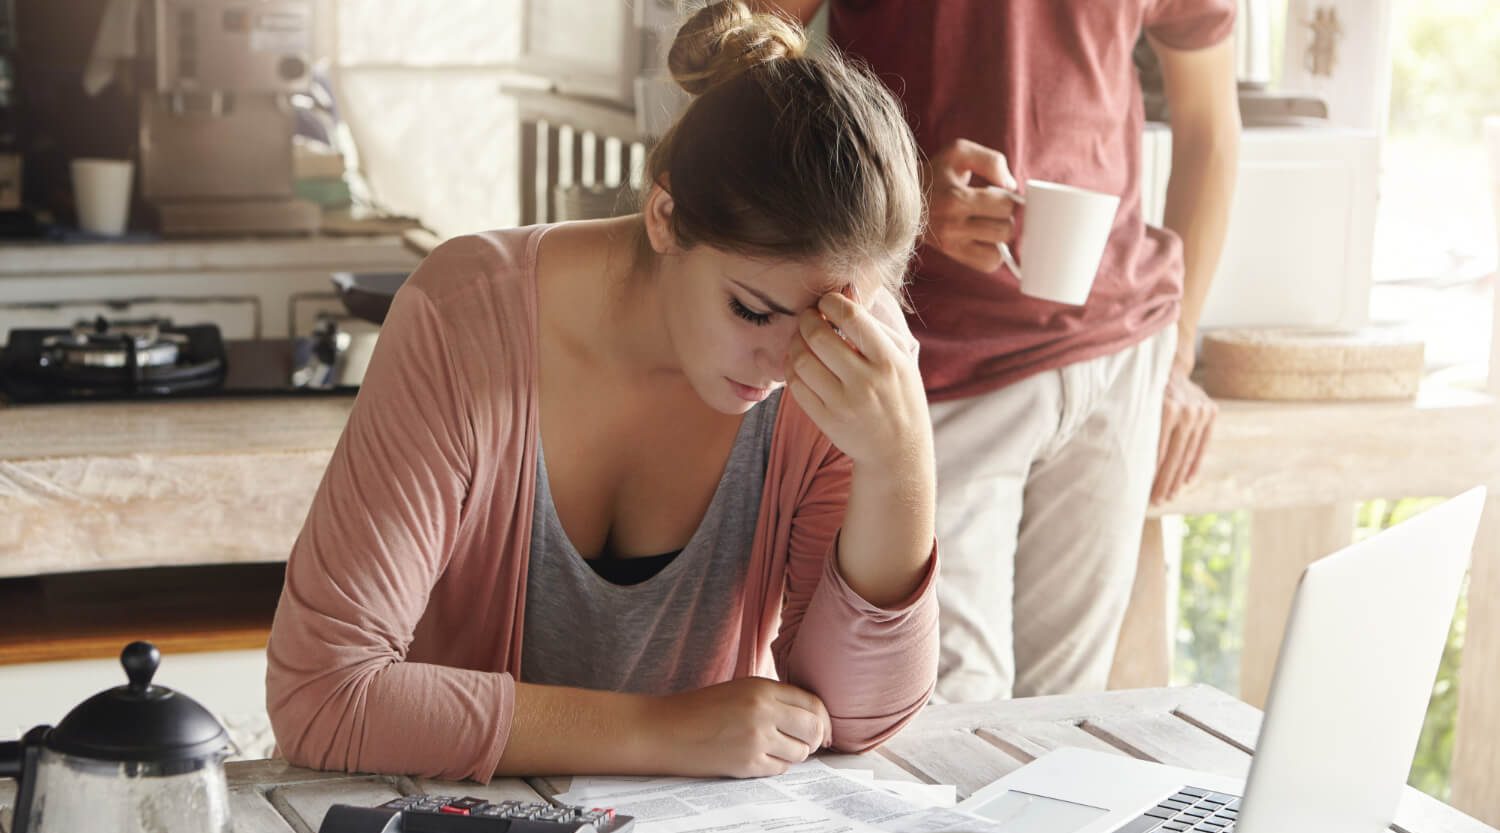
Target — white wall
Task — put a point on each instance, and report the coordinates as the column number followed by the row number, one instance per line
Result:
column 231, row 684
column 419, row 83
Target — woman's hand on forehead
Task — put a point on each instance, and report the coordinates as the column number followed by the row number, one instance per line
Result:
column 852, row 374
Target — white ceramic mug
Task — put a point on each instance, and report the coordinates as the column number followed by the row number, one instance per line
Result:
column 101, row 190
column 1063, row 239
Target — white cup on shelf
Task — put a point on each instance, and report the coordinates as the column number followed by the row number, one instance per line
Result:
column 101, row 190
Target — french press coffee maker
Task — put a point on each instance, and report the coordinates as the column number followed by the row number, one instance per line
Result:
column 137, row 757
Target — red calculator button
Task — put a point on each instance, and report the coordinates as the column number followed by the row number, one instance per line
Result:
column 457, row 811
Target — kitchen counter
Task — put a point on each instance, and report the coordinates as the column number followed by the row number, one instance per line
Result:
column 96, row 486
column 226, row 428
column 173, row 484
column 33, row 259
column 262, row 287
column 120, row 485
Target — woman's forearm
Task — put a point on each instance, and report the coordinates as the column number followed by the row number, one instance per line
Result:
column 888, row 528
column 567, row 731
column 866, row 639
column 742, row 728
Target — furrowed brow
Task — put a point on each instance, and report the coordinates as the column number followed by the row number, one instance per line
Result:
column 764, row 299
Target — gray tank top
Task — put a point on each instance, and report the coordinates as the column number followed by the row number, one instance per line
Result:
column 669, row 633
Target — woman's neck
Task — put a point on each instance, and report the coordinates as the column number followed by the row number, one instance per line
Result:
column 617, row 308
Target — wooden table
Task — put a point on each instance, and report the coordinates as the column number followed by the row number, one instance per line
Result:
column 965, row 745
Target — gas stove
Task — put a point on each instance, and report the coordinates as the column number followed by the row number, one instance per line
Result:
column 105, row 359
column 155, row 359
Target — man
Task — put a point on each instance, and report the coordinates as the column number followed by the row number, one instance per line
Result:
column 1054, row 424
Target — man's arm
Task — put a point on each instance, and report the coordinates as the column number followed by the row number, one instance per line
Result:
column 1205, row 120
column 802, row 10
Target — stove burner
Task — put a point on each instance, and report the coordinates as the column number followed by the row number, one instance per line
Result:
column 114, row 344
column 111, row 360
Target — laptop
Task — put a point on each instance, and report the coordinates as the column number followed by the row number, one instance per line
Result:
column 1362, row 646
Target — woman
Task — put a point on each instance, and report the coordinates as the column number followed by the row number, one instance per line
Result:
column 574, row 524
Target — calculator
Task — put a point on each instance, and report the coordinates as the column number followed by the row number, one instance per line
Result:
column 454, row 814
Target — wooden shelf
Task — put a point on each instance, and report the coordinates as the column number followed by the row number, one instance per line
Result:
column 180, row 609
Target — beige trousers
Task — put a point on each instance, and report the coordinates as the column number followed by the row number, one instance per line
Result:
column 1042, row 492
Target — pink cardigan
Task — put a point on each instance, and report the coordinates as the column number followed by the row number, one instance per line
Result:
column 397, row 640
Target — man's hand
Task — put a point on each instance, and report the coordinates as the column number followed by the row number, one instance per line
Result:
column 1187, row 421
column 966, row 222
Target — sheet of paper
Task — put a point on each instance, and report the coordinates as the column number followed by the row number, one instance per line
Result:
column 811, row 797
column 594, row 786
column 926, row 795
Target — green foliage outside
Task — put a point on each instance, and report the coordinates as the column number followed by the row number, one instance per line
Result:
column 1215, row 564
column 1446, row 67
column 1211, row 607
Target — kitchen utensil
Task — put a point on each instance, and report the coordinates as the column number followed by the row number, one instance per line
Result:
column 101, row 189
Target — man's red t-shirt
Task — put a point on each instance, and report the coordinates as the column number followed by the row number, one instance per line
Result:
column 1050, row 84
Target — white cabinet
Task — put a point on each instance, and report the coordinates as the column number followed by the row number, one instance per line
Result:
column 1302, row 228
column 260, row 288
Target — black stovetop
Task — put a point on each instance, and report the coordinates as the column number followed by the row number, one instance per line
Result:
column 207, row 365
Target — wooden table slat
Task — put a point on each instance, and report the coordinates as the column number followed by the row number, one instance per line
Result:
column 251, row 812
column 1031, row 739
column 1067, row 707
column 1231, row 720
column 304, row 805
column 550, row 785
column 951, row 756
column 275, row 772
column 1170, row 740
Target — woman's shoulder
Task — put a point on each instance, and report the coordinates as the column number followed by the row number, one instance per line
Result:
column 472, row 301
column 498, row 263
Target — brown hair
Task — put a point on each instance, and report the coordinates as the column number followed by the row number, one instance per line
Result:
column 786, row 154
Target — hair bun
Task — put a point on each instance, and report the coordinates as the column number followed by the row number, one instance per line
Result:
column 723, row 39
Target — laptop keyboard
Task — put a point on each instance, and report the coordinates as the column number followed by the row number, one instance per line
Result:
column 1191, row 810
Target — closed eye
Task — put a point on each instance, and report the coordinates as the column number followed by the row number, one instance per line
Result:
column 759, row 319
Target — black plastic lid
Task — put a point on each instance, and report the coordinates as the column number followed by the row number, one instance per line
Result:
column 139, row 722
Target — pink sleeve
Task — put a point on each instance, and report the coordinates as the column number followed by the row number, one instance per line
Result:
column 380, row 532
column 874, row 668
